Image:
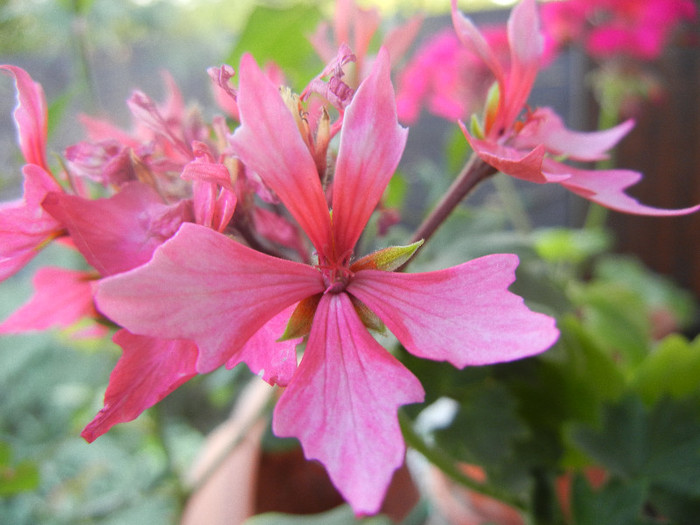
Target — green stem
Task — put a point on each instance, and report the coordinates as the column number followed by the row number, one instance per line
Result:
column 447, row 465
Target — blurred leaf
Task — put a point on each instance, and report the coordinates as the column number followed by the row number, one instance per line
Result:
column 672, row 369
column 342, row 515
column 656, row 290
column 485, row 427
column 395, row 192
column 16, row 478
column 616, row 318
column 661, row 446
column 281, row 35
column 570, row 246
column 616, row 503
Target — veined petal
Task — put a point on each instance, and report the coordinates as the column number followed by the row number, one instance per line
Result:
column 148, row 370
column 269, row 143
column 607, row 188
column 464, row 314
column 371, row 145
column 547, row 128
column 31, row 117
column 275, row 361
column 121, row 232
column 525, row 165
column 61, row 298
column 342, row 404
column 202, row 286
column 25, row 227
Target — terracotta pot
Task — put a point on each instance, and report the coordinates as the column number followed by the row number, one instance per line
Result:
column 237, row 479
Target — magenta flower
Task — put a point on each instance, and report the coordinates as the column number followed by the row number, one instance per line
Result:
column 233, row 302
column 525, row 148
column 633, row 28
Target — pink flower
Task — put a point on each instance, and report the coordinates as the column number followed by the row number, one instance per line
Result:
column 355, row 27
column 635, row 28
column 25, row 228
column 446, row 77
column 233, row 302
column 524, row 148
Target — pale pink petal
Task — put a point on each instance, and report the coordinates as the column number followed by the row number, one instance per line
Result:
column 342, row 404
column 203, row 286
column 464, row 315
column 99, row 130
column 274, row 361
column 148, row 370
column 61, row 298
column 278, row 229
column 31, row 116
column 607, row 188
column 269, row 143
column 371, row 145
column 526, row 45
column 118, row 233
column 525, row 165
column 399, row 40
column 524, row 33
column 546, row 127
column 471, row 37
column 25, row 227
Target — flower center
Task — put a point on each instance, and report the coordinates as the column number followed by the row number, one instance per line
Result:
column 336, row 274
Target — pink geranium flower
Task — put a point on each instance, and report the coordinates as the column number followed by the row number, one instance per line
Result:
column 526, row 148
column 633, row 28
column 234, row 302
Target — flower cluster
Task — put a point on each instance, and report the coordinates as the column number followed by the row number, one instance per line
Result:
column 215, row 244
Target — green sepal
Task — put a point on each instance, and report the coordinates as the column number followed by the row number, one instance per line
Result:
column 368, row 317
column 475, row 127
column 493, row 99
column 299, row 324
column 388, row 259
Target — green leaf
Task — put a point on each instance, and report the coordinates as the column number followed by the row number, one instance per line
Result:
column 281, row 35
column 672, row 369
column 485, row 427
column 571, row 246
column 616, row 503
column 658, row 292
column 616, row 318
column 23, row 477
column 661, row 446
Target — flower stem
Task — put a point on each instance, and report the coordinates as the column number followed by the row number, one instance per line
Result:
column 448, row 466
column 474, row 171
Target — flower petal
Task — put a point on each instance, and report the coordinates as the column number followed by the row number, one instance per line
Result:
column 61, row 298
column 148, row 370
column 464, row 314
column 118, row 233
column 371, row 145
column 25, row 227
column 547, row 128
column 607, row 188
column 275, row 361
column 342, row 404
column 526, row 45
column 525, row 165
column 202, row 286
column 269, row 143
column 31, row 117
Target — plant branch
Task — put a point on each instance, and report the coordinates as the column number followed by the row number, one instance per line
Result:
column 474, row 171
